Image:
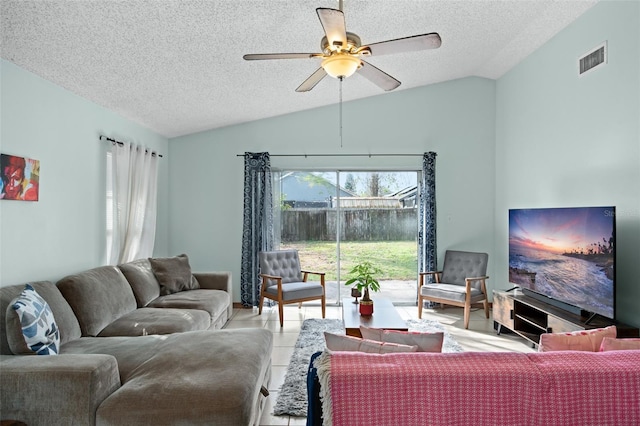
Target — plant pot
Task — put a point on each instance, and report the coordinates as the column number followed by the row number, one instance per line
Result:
column 366, row 307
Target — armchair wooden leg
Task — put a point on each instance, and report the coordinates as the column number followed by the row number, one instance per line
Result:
column 486, row 308
column 281, row 312
column 323, row 306
column 420, row 305
column 260, row 305
column 467, row 313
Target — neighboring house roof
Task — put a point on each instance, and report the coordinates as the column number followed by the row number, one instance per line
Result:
column 405, row 193
column 306, row 186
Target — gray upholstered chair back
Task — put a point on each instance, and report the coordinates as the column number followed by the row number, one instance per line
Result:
column 459, row 265
column 281, row 263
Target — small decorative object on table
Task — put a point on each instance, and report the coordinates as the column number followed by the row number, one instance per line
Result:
column 356, row 293
column 362, row 277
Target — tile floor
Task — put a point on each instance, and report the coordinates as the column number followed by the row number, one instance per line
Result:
column 479, row 337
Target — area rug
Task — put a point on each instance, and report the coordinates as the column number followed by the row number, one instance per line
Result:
column 292, row 398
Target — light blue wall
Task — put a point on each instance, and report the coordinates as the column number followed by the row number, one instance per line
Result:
column 455, row 119
column 64, row 232
column 564, row 140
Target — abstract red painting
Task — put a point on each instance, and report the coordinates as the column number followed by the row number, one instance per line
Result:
column 19, row 178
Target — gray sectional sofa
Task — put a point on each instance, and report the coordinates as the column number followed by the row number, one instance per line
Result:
column 133, row 352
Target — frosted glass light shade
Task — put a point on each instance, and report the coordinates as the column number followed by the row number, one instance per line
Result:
column 341, row 65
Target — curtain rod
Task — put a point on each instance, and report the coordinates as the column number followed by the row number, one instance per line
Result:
column 122, row 143
column 340, row 155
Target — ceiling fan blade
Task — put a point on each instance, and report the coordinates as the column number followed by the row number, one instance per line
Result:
column 332, row 21
column 406, row 44
column 313, row 79
column 378, row 77
column 262, row 56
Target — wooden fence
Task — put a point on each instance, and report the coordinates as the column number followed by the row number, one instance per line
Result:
column 357, row 224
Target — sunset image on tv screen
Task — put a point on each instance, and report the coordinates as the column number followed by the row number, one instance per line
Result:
column 565, row 253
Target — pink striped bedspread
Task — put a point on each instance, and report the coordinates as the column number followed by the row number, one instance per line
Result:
column 473, row 388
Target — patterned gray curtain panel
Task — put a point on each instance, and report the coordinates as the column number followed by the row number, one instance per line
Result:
column 427, row 250
column 257, row 228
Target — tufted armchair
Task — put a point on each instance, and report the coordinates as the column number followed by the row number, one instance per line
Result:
column 284, row 281
column 460, row 283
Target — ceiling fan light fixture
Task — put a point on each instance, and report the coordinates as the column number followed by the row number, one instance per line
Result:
column 341, row 51
column 341, row 65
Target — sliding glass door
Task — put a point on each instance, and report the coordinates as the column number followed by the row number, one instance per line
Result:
column 340, row 218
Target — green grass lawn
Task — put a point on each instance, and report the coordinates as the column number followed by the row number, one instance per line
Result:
column 396, row 259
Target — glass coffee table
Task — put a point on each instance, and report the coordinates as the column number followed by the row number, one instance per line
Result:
column 384, row 316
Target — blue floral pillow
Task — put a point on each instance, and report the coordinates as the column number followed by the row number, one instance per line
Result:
column 38, row 325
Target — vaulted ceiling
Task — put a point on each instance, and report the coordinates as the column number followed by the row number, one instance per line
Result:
column 176, row 66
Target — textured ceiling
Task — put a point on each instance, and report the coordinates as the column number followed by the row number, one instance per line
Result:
column 176, row 67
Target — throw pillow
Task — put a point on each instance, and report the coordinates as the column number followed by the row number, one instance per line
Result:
column 173, row 274
column 339, row 342
column 611, row 344
column 39, row 328
column 583, row 340
column 426, row 342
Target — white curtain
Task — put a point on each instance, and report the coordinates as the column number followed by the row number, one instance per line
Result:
column 134, row 188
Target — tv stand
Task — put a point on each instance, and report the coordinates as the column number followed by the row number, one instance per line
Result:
column 529, row 317
column 551, row 301
column 591, row 317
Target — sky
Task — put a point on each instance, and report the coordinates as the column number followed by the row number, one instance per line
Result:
column 560, row 230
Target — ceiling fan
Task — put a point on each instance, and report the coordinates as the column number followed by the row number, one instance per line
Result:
column 342, row 52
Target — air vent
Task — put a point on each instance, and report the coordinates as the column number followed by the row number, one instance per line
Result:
column 592, row 59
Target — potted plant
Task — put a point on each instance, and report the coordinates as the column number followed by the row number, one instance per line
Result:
column 363, row 278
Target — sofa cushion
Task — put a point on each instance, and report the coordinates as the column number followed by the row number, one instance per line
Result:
column 98, row 297
column 215, row 302
column 586, row 388
column 11, row 339
column 426, row 341
column 39, row 327
column 143, row 282
column 340, row 342
column 297, row 290
column 612, row 344
column 194, row 378
column 130, row 352
column 145, row 321
column 468, row 388
column 582, row 340
column 451, row 292
column 55, row 390
column 173, row 274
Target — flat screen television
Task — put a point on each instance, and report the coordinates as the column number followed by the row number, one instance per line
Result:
column 566, row 255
